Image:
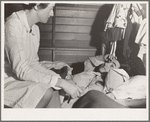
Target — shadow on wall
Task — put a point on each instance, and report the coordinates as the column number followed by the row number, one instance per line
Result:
column 135, row 63
column 99, row 25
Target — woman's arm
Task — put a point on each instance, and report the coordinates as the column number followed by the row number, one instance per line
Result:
column 92, row 62
column 16, row 53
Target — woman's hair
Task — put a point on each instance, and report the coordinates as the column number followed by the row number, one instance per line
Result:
column 123, row 65
column 31, row 5
column 126, row 67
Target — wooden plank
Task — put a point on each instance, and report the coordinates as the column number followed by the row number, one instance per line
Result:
column 46, row 43
column 73, row 56
column 65, row 52
column 45, row 58
column 48, row 22
column 45, row 35
column 69, row 48
column 74, row 21
column 45, row 51
column 72, row 36
column 76, row 14
column 71, row 59
column 45, row 55
column 66, row 56
column 79, row 6
column 67, row 59
column 84, row 57
column 75, row 43
column 75, row 29
column 44, row 27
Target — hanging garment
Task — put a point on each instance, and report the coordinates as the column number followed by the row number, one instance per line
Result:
column 126, row 49
column 117, row 17
column 116, row 25
column 122, row 17
column 141, row 39
column 136, row 18
column 112, row 34
column 113, row 49
column 137, row 15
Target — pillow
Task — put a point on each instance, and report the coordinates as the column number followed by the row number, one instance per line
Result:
column 135, row 88
column 115, row 78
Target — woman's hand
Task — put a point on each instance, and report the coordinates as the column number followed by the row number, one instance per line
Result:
column 109, row 57
column 69, row 87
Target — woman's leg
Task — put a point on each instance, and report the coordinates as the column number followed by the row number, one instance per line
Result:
column 46, row 99
column 96, row 99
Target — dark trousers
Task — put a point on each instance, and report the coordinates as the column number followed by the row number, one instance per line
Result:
column 96, row 99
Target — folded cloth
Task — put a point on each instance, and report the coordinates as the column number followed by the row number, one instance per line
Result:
column 115, row 78
column 121, row 86
column 141, row 34
column 135, row 88
column 142, row 40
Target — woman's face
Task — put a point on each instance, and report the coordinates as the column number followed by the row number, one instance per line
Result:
column 44, row 14
column 108, row 66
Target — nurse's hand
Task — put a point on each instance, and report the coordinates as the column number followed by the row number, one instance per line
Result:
column 70, row 88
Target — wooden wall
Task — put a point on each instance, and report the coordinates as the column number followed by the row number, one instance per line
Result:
column 73, row 34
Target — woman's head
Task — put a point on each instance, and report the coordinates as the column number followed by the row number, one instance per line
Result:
column 44, row 14
column 43, row 10
column 105, row 67
column 32, row 5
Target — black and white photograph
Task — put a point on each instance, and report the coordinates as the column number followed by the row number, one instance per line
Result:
column 74, row 60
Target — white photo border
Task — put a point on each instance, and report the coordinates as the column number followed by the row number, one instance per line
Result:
column 69, row 114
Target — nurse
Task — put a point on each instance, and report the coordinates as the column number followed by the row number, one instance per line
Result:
column 28, row 82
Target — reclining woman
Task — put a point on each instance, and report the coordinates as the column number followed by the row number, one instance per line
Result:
column 93, row 76
column 105, row 83
column 28, row 82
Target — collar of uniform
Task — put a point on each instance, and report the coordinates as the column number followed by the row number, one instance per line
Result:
column 22, row 16
column 122, row 72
